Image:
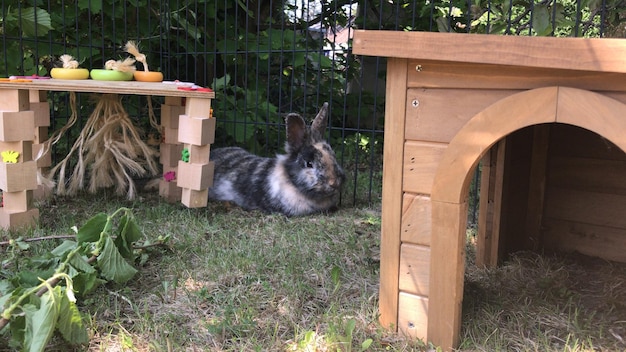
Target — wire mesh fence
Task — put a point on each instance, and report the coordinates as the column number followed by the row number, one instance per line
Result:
column 265, row 58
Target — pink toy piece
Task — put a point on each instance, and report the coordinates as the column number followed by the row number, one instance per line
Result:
column 169, row 176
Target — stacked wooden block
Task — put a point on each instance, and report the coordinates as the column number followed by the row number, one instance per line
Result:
column 189, row 131
column 170, row 149
column 40, row 106
column 196, row 130
column 18, row 170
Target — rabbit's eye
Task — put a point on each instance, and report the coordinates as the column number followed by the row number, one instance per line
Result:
column 308, row 164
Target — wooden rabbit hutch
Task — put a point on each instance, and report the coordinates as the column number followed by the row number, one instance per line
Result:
column 546, row 120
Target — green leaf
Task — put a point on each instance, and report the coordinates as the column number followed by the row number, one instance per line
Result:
column 299, row 59
column 85, row 283
column 80, row 263
column 129, row 232
column 541, row 20
column 40, row 321
column 35, row 21
column 70, row 323
column 90, row 232
column 350, row 326
column 62, row 249
column 112, row 264
column 366, row 344
column 93, row 6
column 22, row 245
column 220, row 83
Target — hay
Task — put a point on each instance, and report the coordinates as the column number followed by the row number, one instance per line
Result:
column 536, row 302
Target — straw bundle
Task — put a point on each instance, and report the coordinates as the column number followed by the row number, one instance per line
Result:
column 133, row 49
column 109, row 150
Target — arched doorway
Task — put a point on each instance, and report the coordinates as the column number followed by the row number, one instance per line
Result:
column 588, row 110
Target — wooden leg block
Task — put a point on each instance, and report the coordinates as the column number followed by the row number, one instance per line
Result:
column 198, row 107
column 170, row 154
column 43, row 161
column 175, row 101
column 16, row 202
column 36, row 96
column 24, row 148
column 195, row 199
column 14, row 100
column 170, row 191
column 18, row 177
column 195, row 176
column 12, row 221
column 198, row 154
column 42, row 113
column 17, row 126
column 197, row 131
column 42, row 192
column 170, row 135
column 41, row 134
column 170, row 114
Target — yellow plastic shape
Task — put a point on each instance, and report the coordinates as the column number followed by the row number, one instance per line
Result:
column 9, row 156
column 69, row 73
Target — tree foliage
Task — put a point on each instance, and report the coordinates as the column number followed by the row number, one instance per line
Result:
column 264, row 57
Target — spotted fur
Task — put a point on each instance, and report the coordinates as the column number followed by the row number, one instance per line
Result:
column 307, row 179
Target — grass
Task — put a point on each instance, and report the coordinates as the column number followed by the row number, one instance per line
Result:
column 230, row 280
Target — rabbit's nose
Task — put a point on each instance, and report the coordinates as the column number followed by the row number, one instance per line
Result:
column 334, row 183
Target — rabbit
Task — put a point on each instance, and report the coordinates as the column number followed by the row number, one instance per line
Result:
column 305, row 180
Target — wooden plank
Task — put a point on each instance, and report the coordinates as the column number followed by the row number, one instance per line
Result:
column 597, row 241
column 431, row 117
column 413, row 316
column 462, row 75
column 481, row 132
column 421, row 160
column 537, row 183
column 490, row 207
column 416, row 218
column 592, row 208
column 580, row 54
column 414, row 269
column 588, row 144
column 585, row 174
column 576, row 106
column 392, row 192
column 114, row 87
column 446, row 273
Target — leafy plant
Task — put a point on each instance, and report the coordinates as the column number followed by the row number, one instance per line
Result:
column 35, row 308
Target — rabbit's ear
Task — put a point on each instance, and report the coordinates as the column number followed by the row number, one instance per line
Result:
column 296, row 132
column 318, row 126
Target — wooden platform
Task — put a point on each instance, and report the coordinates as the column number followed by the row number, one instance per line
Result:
column 186, row 123
column 111, row 87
